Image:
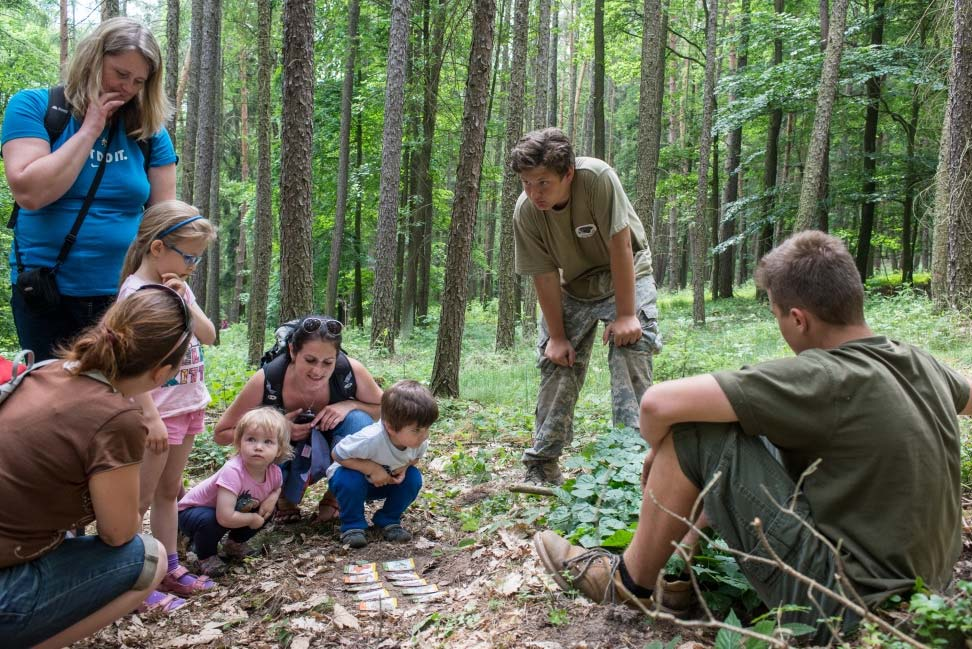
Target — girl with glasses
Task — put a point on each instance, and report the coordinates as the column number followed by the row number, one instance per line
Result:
column 325, row 394
column 170, row 241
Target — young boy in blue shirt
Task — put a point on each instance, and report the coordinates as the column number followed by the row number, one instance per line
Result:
column 378, row 463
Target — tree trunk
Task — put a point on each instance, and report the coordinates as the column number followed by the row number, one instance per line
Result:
column 911, row 186
column 263, row 218
column 196, row 36
column 705, row 145
column 772, row 159
column 869, row 166
column 171, row 61
column 597, row 93
column 213, row 262
column 572, row 54
column 383, row 305
column 540, row 69
column 358, row 251
column 445, row 371
column 506, row 318
column 236, row 304
column 552, row 101
column 812, row 171
column 958, row 276
column 649, row 109
column 344, row 144
column 109, row 9
column 63, row 24
column 296, row 148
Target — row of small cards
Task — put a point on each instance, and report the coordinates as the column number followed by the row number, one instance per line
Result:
column 371, row 592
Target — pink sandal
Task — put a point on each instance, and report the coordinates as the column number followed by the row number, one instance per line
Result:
column 171, row 584
column 166, row 604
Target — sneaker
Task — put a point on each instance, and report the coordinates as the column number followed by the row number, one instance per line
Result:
column 543, row 473
column 396, row 533
column 238, row 551
column 595, row 574
column 354, row 538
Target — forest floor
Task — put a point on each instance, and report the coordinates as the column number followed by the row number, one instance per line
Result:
column 472, row 535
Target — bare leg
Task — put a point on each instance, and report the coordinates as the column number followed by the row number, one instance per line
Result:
column 657, row 529
column 148, row 480
column 121, row 605
column 165, row 517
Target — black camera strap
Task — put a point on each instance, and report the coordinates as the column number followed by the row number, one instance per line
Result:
column 83, row 212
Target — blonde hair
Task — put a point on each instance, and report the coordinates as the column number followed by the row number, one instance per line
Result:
column 136, row 334
column 145, row 115
column 265, row 418
column 156, row 220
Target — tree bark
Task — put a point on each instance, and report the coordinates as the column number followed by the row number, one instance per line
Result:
column 649, row 108
column 382, row 312
column 552, row 119
column 869, row 166
column 213, row 257
column 171, row 62
column 705, row 145
column 812, row 172
column 63, row 24
column 958, row 275
column 196, row 37
column 358, row 251
column 296, row 148
column 445, row 370
column 506, row 318
column 344, row 153
column 597, row 93
column 263, row 218
column 109, row 9
column 772, row 159
column 236, row 303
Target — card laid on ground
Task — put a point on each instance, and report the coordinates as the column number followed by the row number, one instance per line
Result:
column 360, row 568
column 369, row 595
column 363, row 578
column 398, row 565
column 358, row 588
column 410, row 583
column 427, row 597
column 402, row 576
column 379, row 604
column 420, row 590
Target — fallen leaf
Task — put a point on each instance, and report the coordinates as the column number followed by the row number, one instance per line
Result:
column 343, row 619
column 691, row 645
column 305, row 604
column 300, row 642
column 510, row 584
column 269, row 585
column 423, row 543
column 190, row 640
column 307, row 624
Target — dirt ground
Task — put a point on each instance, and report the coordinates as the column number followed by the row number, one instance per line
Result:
column 495, row 592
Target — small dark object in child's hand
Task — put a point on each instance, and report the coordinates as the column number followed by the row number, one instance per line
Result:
column 247, row 504
column 305, row 417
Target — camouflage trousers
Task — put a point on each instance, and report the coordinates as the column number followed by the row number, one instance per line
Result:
column 630, row 367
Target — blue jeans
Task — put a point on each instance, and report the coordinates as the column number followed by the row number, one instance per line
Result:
column 41, row 598
column 205, row 532
column 43, row 333
column 353, row 489
column 312, row 456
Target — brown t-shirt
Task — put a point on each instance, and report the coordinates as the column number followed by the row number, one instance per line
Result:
column 575, row 240
column 56, row 431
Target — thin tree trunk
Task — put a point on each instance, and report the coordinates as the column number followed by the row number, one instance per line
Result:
column 263, row 219
column 869, row 166
column 445, row 370
column 771, row 161
column 358, row 248
column 109, row 9
column 705, row 144
column 572, row 53
column 911, row 186
column 958, row 276
column 236, row 304
column 552, row 100
column 296, row 148
column 344, row 148
column 812, row 170
column 213, row 259
column 597, row 93
column 196, row 36
column 382, row 311
column 171, row 61
column 540, row 69
column 63, row 24
column 506, row 318
column 649, row 108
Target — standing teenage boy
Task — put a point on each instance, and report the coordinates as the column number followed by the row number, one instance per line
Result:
column 579, row 238
column 878, row 417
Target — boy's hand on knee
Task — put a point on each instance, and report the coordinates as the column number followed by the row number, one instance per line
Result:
column 626, row 330
column 560, row 352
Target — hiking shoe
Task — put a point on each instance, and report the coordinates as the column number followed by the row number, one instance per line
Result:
column 543, row 473
column 354, row 538
column 595, row 573
column 239, row 551
column 396, row 533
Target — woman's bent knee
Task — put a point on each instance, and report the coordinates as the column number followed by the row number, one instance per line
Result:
column 154, row 566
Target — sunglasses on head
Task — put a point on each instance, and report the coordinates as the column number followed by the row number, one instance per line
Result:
column 186, row 320
column 330, row 325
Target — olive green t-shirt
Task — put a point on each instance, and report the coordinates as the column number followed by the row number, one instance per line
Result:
column 575, row 240
column 881, row 416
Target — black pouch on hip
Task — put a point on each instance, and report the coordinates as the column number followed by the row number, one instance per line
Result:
column 38, row 288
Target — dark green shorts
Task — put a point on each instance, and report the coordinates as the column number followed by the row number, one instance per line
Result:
column 753, row 484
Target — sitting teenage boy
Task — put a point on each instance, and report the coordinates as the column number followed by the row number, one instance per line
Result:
column 878, row 415
column 378, row 462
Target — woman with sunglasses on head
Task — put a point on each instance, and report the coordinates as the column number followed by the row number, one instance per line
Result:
column 73, row 440
column 85, row 158
column 324, row 393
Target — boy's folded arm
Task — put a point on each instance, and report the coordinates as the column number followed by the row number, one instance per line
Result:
column 362, row 465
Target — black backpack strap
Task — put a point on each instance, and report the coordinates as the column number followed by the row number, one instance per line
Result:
column 273, row 375
column 343, row 384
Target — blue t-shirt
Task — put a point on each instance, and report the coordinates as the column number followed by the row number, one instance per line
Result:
column 94, row 264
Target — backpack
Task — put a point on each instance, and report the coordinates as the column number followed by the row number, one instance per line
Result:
column 55, row 121
column 23, row 364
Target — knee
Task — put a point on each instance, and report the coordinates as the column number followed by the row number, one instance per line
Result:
column 167, row 493
column 413, row 479
column 356, row 420
column 346, row 481
column 154, row 553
